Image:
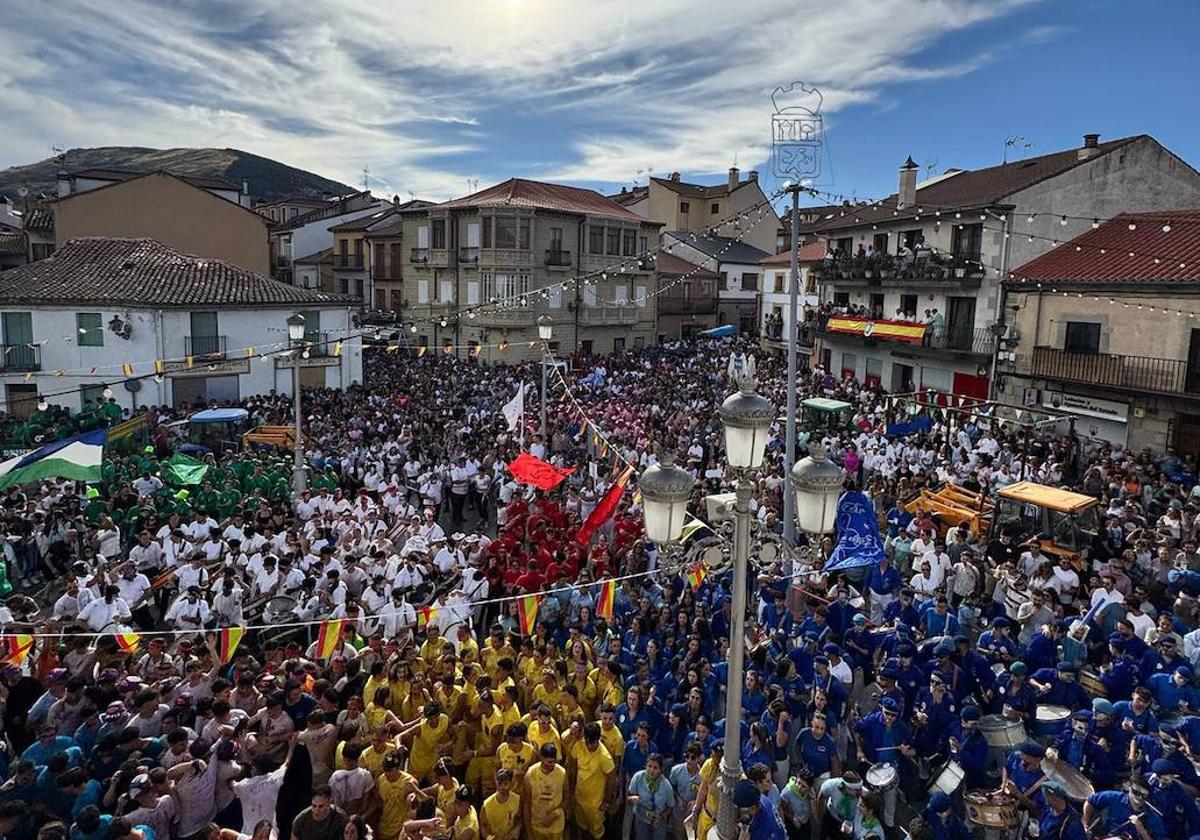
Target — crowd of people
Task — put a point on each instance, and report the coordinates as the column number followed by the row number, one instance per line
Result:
column 440, row 708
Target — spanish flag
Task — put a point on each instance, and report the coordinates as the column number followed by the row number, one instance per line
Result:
column 329, row 638
column 606, row 599
column 128, row 642
column 425, row 615
column 158, row 366
column 527, row 610
column 249, row 353
column 696, row 575
column 227, row 641
column 16, row 648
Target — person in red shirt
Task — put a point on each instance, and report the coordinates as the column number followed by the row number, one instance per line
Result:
column 532, row 580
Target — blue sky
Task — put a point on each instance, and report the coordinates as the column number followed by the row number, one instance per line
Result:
column 433, row 98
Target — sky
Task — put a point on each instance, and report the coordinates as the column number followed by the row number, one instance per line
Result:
column 438, row 98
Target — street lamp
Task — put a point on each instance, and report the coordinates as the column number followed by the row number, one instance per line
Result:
column 819, row 483
column 545, row 327
column 666, row 489
column 295, row 325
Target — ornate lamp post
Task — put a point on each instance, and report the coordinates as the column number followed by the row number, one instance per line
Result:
column 545, row 326
column 295, row 325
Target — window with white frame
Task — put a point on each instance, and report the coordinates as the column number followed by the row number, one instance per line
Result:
column 589, row 295
column 639, row 295
column 556, row 298
column 621, row 294
column 422, row 291
column 446, row 291
column 504, row 286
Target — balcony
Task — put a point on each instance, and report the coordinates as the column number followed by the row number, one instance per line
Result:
column 386, row 273
column 348, row 262
column 420, row 256
column 608, row 315
column 204, row 346
column 21, row 358
column 318, row 343
column 468, row 256
column 557, row 258
column 964, row 340
column 887, row 270
column 977, row 342
column 773, row 335
column 1131, row 373
column 506, row 258
column 507, row 317
column 678, row 306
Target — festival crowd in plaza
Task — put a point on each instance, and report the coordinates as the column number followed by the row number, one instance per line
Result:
column 403, row 684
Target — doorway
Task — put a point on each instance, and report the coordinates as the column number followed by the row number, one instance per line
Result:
column 960, row 323
column 902, row 378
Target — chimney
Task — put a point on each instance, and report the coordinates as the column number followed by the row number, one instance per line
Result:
column 1091, row 146
column 64, row 183
column 624, row 191
column 734, row 178
column 906, row 196
column 752, row 175
column 674, row 176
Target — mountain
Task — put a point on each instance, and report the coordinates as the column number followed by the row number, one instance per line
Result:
column 268, row 179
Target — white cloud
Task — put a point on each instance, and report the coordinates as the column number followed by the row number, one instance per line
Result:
column 611, row 86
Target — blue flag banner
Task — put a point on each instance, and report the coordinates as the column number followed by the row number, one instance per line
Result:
column 921, row 423
column 858, row 540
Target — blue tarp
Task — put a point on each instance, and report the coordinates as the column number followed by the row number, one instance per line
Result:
column 219, row 415
column 857, row 527
column 721, row 331
column 921, row 423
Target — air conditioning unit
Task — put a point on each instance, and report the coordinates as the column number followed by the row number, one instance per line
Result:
column 1031, row 396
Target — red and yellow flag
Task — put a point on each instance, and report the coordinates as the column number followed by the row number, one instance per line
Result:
column 425, row 615
column 128, row 642
column 329, row 638
column 527, row 610
column 605, row 509
column 696, row 575
column 16, row 648
column 227, row 641
column 606, row 599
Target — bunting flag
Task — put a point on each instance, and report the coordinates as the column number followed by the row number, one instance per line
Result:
column 190, row 361
column 128, row 642
column 421, row 351
column 534, row 471
column 527, row 610
column 330, row 638
column 696, row 575
column 16, row 648
column 127, row 369
column 227, row 641
column 503, row 346
column 605, row 509
column 476, row 350
column 337, row 348
column 249, row 353
column 392, row 348
column 606, row 599
column 158, row 366
column 425, row 615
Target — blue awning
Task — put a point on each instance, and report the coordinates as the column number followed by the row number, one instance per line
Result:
column 219, row 415
column 721, row 331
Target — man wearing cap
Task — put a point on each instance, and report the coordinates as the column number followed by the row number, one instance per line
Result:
column 1041, row 651
column 1120, row 677
column 943, row 823
column 1125, row 812
column 1058, row 687
column 1021, row 775
column 1059, row 820
column 883, row 582
column 882, row 737
column 1174, row 692
column 756, row 813
column 1088, row 753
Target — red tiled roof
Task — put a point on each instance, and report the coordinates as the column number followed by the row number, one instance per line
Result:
column 812, row 252
column 12, row 243
column 39, row 218
column 129, row 175
column 144, row 273
column 1102, row 255
column 975, row 188
column 669, row 265
column 518, row 192
column 633, row 196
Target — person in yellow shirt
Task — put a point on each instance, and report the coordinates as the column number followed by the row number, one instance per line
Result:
column 542, row 731
column 468, row 648
column 495, row 650
column 515, row 753
column 378, row 714
column 450, row 697
column 394, row 786
column 547, row 790
column 708, row 798
column 506, row 705
column 444, row 788
column 569, row 711
column 593, row 778
column 428, row 734
column 548, row 691
column 500, row 818
column 486, row 729
column 585, row 688
column 432, row 648
column 607, row 679
column 373, row 756
column 610, row 733
column 463, row 821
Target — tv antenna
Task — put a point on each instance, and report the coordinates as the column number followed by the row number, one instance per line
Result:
column 1014, row 143
column 930, row 168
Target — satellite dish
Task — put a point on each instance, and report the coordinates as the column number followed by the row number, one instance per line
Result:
column 22, row 191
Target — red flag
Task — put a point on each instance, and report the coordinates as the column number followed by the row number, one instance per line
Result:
column 604, row 511
column 606, row 599
column 530, row 470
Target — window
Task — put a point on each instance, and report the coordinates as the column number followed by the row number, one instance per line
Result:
column 723, row 281
column 913, row 238
column 841, row 298
column 585, row 347
column 446, row 290
column 686, row 291
column 968, row 242
column 42, row 250
column 358, row 253
column 92, row 395
column 595, row 239
column 358, row 288
column 504, row 286
column 589, row 295
column 397, row 300
column 628, row 243
column 621, row 294
column 750, row 282
column 880, row 243
column 639, row 341
column 684, row 207
column 439, row 234
column 380, row 266
column 618, row 345
column 345, row 287
column 716, row 208
column 293, row 212
column 423, row 237
column 613, row 242
column 422, row 291
column 395, row 258
column 487, row 233
column 472, row 292
column 423, row 340
column 779, row 281
column 473, row 235
column 642, row 247
column 556, row 240
column 639, row 295
column 1082, row 337
column 89, row 330
column 523, row 239
column 846, row 245
column 506, row 232
column 908, row 304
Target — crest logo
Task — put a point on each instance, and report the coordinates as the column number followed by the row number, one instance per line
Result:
column 797, row 131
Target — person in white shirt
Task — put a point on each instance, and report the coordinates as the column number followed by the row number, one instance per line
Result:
column 110, row 612
column 146, row 484
column 1066, row 581
column 923, row 583
column 189, row 612
column 134, row 588
column 147, row 555
column 398, row 615
column 449, row 558
column 1106, row 593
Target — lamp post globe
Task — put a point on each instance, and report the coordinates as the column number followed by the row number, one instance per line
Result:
column 819, row 483
column 295, row 325
column 747, row 417
column 545, row 326
column 666, row 489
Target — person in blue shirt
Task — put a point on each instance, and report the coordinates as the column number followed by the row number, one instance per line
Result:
column 776, row 617
column 816, row 622
column 939, row 621
column 933, row 714
column 1164, row 744
column 840, row 612
column 1174, row 692
column 1013, row 692
column 802, row 655
column 943, row 823
column 1175, row 804
column 1121, row 677
column 911, row 677
column 902, row 612
column 756, row 812
column 49, row 743
column 997, row 644
column 888, row 675
column 652, row 799
column 1058, row 820
column 1124, row 812
column 978, row 671
column 1083, row 752
column 632, row 713
column 754, row 699
column 1057, row 687
column 1042, row 650
column 883, row 582
column 637, row 751
column 816, row 751
column 1135, row 716
column 1021, row 775
column 90, row 824
column 965, row 744
column 897, row 519
column 882, row 737
column 1162, row 658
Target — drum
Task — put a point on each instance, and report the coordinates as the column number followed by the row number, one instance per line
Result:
column 991, row 810
column 881, row 776
column 279, row 610
column 948, row 779
column 1074, row 784
column 1090, row 680
column 1001, row 732
column 1048, row 721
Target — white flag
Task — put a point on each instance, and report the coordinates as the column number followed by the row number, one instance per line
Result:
column 513, row 409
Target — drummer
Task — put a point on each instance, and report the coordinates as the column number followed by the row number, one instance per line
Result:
column 1057, row 686
column 1059, row 820
column 882, row 737
column 1176, row 805
column 943, row 823
column 1015, row 698
column 1084, row 751
column 965, row 744
column 997, row 644
column 1125, row 812
column 1022, row 776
